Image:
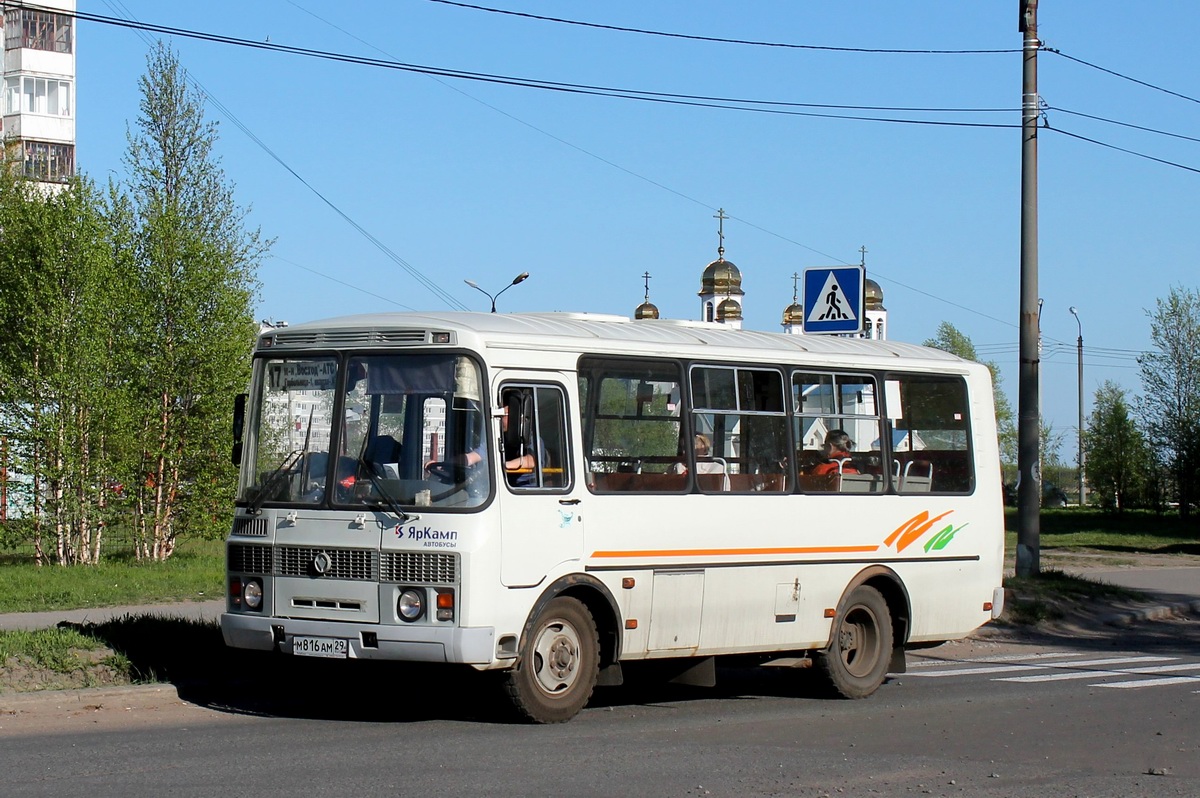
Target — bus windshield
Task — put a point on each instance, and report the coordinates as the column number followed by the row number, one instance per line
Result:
column 411, row 431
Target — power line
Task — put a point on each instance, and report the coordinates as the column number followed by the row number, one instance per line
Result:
column 429, row 284
column 1114, row 73
column 717, row 39
column 1123, row 149
column 1122, row 124
column 670, row 98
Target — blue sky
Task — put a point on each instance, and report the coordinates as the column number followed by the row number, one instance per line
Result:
column 469, row 180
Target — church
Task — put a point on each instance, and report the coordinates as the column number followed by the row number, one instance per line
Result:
column 722, row 297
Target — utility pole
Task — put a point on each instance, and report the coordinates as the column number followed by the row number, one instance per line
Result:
column 1029, row 476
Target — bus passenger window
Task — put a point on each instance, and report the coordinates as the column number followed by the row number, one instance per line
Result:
column 838, row 428
column 931, row 449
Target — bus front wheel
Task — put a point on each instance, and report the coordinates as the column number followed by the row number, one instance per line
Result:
column 559, row 663
column 857, row 659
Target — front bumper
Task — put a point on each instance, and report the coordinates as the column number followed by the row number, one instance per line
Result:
column 472, row 645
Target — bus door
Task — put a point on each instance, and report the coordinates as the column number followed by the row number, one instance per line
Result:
column 540, row 499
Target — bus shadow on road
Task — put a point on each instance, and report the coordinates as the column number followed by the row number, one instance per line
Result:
column 191, row 656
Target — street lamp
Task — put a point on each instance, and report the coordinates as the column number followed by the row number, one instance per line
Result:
column 1082, row 488
column 518, row 279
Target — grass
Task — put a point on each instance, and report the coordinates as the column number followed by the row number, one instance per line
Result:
column 1047, row 596
column 194, row 573
column 59, row 658
column 1089, row 530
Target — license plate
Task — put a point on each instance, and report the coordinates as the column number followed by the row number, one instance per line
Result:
column 334, row 647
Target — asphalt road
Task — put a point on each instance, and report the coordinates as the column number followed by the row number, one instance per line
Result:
column 979, row 718
column 1111, row 711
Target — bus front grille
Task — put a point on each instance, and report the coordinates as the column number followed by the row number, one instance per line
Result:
column 244, row 559
column 250, row 527
column 407, row 567
column 331, row 563
column 414, row 567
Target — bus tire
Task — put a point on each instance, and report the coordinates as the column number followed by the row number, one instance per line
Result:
column 558, row 665
column 860, row 648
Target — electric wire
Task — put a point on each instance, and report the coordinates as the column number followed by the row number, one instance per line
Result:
column 718, row 39
column 429, row 284
column 670, row 98
column 1114, row 73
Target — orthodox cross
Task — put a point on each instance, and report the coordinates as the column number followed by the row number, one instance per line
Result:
column 720, row 217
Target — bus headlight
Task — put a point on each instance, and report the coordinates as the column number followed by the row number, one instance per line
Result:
column 252, row 594
column 411, row 604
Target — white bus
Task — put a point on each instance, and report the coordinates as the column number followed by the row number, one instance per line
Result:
column 556, row 495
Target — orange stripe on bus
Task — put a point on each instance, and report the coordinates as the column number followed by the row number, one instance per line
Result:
column 733, row 552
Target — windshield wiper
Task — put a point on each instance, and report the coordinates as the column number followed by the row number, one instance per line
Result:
column 289, row 460
column 388, row 499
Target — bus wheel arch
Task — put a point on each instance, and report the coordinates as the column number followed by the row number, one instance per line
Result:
column 867, row 637
column 569, row 640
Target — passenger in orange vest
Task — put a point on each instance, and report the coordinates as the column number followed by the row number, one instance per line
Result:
column 837, row 455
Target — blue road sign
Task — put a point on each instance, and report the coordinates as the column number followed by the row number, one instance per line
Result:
column 833, row 299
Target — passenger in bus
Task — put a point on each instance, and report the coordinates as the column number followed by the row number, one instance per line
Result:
column 702, row 448
column 520, row 460
column 837, row 455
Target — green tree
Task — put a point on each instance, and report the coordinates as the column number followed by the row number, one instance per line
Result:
column 1170, row 404
column 950, row 339
column 194, row 264
column 61, row 407
column 1118, row 460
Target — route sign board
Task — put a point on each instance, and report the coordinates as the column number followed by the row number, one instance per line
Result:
column 833, row 299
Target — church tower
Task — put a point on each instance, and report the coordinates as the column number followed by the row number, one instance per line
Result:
column 646, row 310
column 721, row 285
column 793, row 314
column 875, row 314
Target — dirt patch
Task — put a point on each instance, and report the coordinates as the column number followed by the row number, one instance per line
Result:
column 93, row 668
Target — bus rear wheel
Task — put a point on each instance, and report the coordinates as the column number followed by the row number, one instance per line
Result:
column 558, row 665
column 857, row 659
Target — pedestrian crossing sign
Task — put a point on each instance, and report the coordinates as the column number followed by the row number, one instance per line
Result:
column 833, row 299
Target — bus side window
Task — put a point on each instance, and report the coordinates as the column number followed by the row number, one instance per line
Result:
column 535, row 437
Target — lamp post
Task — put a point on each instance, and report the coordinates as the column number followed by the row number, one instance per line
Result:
column 518, row 279
column 1082, row 488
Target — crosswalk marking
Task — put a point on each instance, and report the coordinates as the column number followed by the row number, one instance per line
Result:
column 1022, row 666
column 1092, row 674
column 1151, row 682
column 1122, row 669
column 931, row 663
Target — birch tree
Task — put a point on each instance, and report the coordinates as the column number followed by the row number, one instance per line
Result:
column 1170, row 403
column 194, row 262
column 59, row 404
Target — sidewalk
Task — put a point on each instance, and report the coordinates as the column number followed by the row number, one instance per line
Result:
column 194, row 610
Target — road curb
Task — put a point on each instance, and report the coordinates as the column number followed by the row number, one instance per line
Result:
column 84, row 697
column 1156, row 613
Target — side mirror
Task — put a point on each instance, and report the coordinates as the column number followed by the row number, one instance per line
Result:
column 239, row 423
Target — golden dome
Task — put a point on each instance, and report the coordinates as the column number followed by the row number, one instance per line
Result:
column 646, row 310
column 729, row 310
column 873, row 295
column 721, row 277
column 793, row 314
